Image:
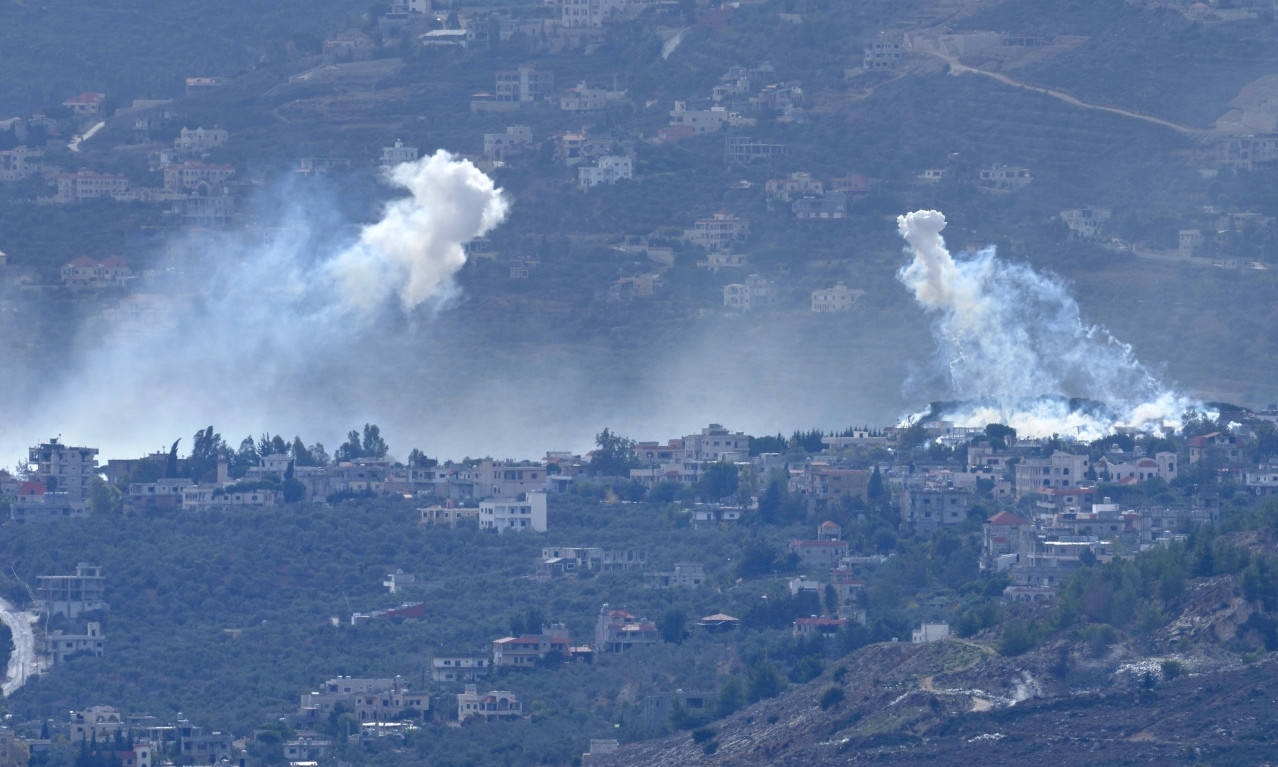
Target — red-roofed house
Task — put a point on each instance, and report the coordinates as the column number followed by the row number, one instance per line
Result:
column 527, row 650
column 822, row 627
column 1005, row 533
column 86, row 104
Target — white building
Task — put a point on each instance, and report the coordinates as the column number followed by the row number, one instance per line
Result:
column 755, row 293
column 583, row 98
column 591, row 14
column 719, row 232
column 515, row 140
column 514, row 515
column 608, row 169
column 930, row 632
column 1003, row 178
column 839, row 298
column 394, row 155
column 884, row 53
column 1086, row 222
column 715, row 443
column 700, row 121
column 200, row 139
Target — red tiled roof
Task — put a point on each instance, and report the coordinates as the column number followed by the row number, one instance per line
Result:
column 31, row 487
column 1005, row 518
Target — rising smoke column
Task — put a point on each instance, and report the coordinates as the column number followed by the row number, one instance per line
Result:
column 1014, row 343
column 274, row 329
column 416, row 247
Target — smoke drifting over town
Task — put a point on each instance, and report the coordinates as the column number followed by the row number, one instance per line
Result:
column 277, row 329
column 312, row 326
column 1016, row 349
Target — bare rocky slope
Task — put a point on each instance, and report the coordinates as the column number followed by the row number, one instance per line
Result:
column 958, row 702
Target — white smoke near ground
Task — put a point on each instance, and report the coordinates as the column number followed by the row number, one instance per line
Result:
column 275, row 328
column 1017, row 351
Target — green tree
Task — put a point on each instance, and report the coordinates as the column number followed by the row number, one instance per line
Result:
column 763, row 680
column 104, row 498
column 373, row 445
column 672, row 625
column 351, row 449
column 719, row 480
column 614, row 455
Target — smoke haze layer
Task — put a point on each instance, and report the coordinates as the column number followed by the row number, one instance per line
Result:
column 312, row 325
column 1015, row 348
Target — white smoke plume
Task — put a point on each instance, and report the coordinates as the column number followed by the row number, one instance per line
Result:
column 417, row 246
column 1017, row 349
column 282, row 328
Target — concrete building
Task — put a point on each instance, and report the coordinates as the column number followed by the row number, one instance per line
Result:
column 394, row 155
column 87, row 185
column 1061, row 470
column 686, row 575
column 489, row 706
column 459, row 667
column 200, row 139
column 591, row 14
column 608, row 169
column 618, row 631
column 839, row 298
column 697, row 122
column 883, row 53
column 524, row 84
column 1002, row 178
column 715, row 443
column 65, row 469
column 514, row 515
column 71, row 595
column 515, row 140
column 755, row 293
column 60, row 647
column 720, row 232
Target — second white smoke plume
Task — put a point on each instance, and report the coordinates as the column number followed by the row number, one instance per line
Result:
column 1017, row 349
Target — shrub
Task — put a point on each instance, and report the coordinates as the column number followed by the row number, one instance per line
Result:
column 832, row 697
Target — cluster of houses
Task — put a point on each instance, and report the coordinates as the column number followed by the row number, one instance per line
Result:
column 129, row 740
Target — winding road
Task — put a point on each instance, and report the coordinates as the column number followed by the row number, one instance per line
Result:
column 22, row 663
column 937, row 49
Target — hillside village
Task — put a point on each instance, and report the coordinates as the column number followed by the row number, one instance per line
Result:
column 582, row 135
column 1036, row 512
